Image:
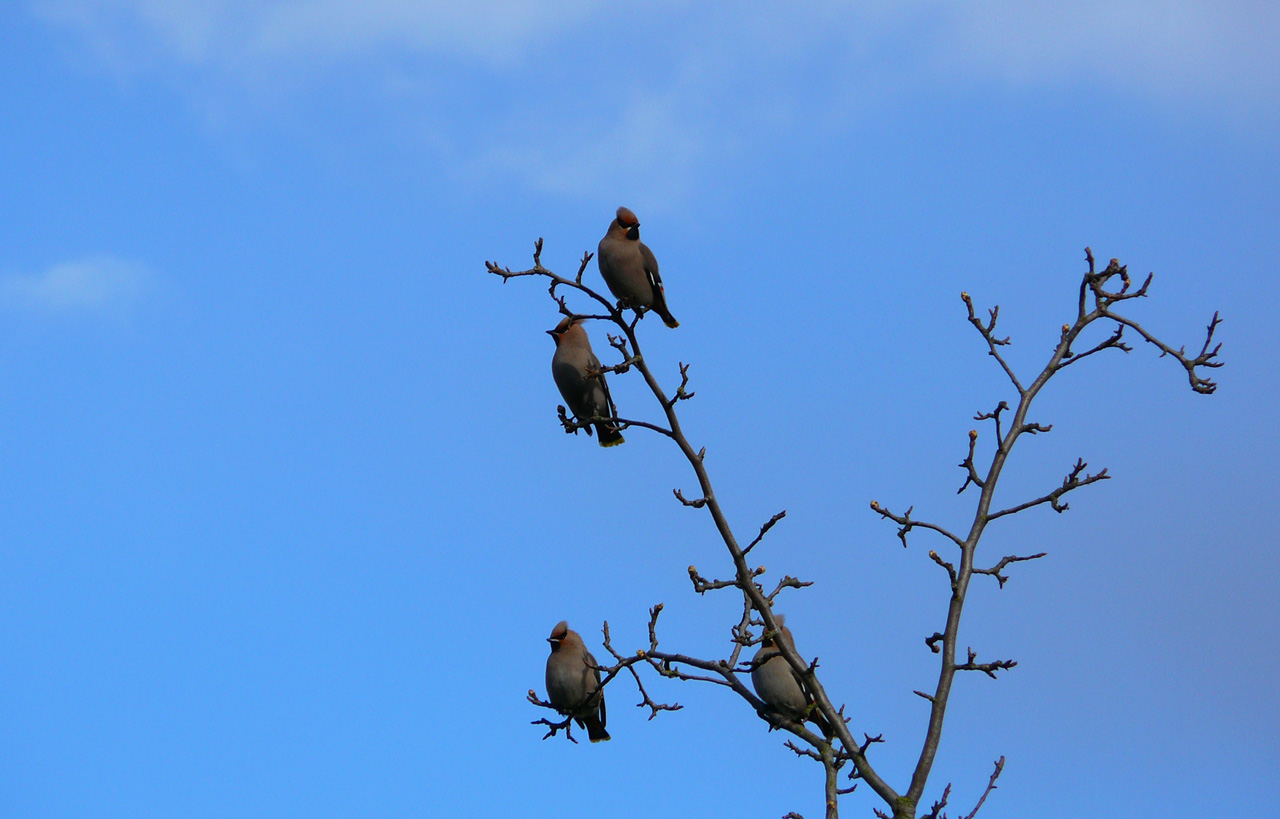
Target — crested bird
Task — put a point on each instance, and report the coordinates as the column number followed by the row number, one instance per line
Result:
column 578, row 374
column 573, row 682
column 630, row 269
column 778, row 684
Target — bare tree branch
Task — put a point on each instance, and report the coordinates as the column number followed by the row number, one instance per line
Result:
column 951, row 569
column 908, row 524
column 1113, row 342
column 993, row 343
column 787, row 582
column 764, row 530
column 701, row 585
column 971, row 472
column 1096, row 303
column 680, row 393
column 939, row 805
column 1093, row 285
column 991, row 786
column 994, row 571
column 994, row 415
column 989, row 669
column 555, row 727
column 1071, row 481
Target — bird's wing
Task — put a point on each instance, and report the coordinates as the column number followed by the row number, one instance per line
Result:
column 604, row 385
column 651, row 267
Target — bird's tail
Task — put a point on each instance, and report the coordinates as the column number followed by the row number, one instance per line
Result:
column 818, row 720
column 660, row 307
column 596, row 731
column 609, row 436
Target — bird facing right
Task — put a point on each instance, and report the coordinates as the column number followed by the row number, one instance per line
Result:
column 777, row 683
column 573, row 681
column 630, row 269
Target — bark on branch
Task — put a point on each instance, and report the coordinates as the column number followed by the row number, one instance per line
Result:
column 1096, row 303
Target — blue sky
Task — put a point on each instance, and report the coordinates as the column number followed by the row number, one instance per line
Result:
column 287, row 514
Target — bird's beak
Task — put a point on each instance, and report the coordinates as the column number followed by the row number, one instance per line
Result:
column 552, row 333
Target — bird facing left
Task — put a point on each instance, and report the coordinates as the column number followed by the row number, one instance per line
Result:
column 573, row 682
column 579, row 377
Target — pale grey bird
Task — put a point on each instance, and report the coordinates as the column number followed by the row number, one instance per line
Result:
column 777, row 683
column 629, row 268
column 573, row 681
column 577, row 373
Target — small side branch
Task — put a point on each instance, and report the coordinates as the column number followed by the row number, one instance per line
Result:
column 619, row 343
column 989, row 669
column 681, row 394
column 991, row 786
column 993, row 343
column 971, row 472
column 623, row 423
column 805, row 752
column 1112, row 342
column 701, row 585
column 1204, row 386
column 994, row 415
column 764, row 530
column 1071, row 481
column 640, row 656
column 907, row 524
column 556, row 727
column 1104, row 299
column 696, row 503
column 582, row 268
column 787, row 582
column 951, row 570
column 939, row 805
column 994, row 571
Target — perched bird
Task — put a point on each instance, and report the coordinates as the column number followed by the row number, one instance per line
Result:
column 573, row 682
column 777, row 683
column 629, row 268
column 587, row 395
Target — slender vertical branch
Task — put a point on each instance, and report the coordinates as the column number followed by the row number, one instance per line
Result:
column 1093, row 284
column 1096, row 303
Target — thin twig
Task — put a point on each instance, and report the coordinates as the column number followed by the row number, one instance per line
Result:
column 991, row 786
column 763, row 530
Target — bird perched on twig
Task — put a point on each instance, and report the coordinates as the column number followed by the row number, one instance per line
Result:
column 778, row 684
column 579, row 376
column 629, row 268
column 573, row 682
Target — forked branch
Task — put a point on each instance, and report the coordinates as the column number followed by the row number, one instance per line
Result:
column 1099, row 293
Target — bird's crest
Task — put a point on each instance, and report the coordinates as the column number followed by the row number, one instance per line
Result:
column 627, row 219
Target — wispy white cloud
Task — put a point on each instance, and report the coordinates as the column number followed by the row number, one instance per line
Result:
column 97, row 284
column 1188, row 49
column 1196, row 45
column 233, row 34
column 617, row 94
column 651, row 142
column 487, row 30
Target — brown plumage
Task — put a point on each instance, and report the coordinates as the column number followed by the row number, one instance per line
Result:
column 587, row 395
column 630, row 269
column 573, row 682
column 777, row 683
